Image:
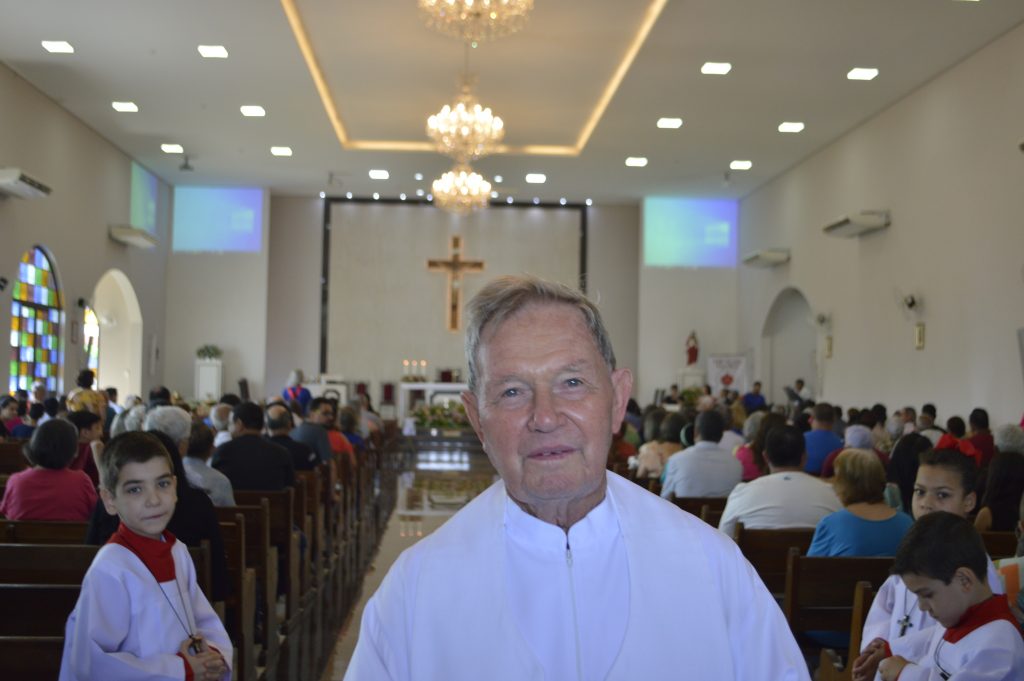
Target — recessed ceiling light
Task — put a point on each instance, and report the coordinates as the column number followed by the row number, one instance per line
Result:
column 670, row 123
column 636, row 161
column 376, row 196
column 419, row 192
column 791, row 126
column 418, row 177
column 494, row 195
column 716, row 68
column 281, row 151
column 536, row 178
column 589, row 202
column 379, row 174
column 741, row 165
column 510, row 200
column 536, row 201
column 323, row 195
column 862, row 74
column 58, row 47
column 348, row 195
column 125, row 107
column 253, row 110
column 401, row 197
column 213, row 51
column 499, row 179
column 562, row 201
column 172, row 149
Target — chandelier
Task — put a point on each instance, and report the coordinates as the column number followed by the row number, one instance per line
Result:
column 465, row 130
column 475, row 20
column 461, row 190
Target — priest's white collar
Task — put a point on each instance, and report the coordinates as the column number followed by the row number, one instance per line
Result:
column 599, row 526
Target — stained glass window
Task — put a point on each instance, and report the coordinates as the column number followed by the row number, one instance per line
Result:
column 37, row 353
column 91, row 341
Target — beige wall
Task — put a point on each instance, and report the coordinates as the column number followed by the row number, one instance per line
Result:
column 945, row 162
column 90, row 179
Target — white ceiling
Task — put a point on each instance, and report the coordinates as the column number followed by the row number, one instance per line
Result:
column 386, row 72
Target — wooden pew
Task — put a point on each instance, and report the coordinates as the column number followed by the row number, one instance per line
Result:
column 262, row 558
column 831, row 667
column 316, row 595
column 240, row 605
column 693, row 505
column 12, row 459
column 68, row 563
column 286, row 539
column 1000, row 544
column 768, row 552
column 31, row 658
column 711, row 516
column 819, row 591
column 42, row 532
column 36, row 609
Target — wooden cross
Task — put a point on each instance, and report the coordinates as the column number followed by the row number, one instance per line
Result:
column 455, row 267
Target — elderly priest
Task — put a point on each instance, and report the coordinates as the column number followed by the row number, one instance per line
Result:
column 562, row 570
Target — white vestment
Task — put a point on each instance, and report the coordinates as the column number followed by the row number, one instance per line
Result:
column 992, row 652
column 124, row 625
column 690, row 606
column 894, row 612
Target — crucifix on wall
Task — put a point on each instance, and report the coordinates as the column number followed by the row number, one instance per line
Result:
column 455, row 267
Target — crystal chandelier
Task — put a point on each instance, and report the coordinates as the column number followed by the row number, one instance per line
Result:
column 461, row 190
column 475, row 20
column 465, row 130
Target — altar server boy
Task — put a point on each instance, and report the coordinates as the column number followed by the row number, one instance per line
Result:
column 140, row 614
column 942, row 561
column 945, row 482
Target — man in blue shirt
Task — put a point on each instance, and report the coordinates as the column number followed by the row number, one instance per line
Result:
column 754, row 400
column 820, row 439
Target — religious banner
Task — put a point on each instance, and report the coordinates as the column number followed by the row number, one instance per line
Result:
column 729, row 372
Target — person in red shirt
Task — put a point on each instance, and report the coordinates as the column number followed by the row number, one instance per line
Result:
column 50, row 490
column 90, row 443
column 981, row 436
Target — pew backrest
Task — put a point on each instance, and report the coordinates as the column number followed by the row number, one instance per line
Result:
column 695, row 504
column 36, row 609
column 42, row 532
column 768, row 551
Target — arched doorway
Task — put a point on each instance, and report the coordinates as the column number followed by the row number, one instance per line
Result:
column 789, row 345
column 120, row 333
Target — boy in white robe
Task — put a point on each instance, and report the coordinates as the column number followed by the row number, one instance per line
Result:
column 140, row 614
column 945, row 482
column 942, row 561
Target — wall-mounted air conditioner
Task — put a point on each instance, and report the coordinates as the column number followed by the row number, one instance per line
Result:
column 858, row 224
column 132, row 236
column 14, row 182
column 769, row 257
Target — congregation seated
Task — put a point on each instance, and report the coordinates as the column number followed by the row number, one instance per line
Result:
column 24, row 430
column 820, row 441
column 49, row 490
column 1000, row 507
column 198, row 470
column 705, row 469
column 787, row 497
column 731, row 439
column 866, row 525
column 90, row 442
column 927, row 426
column 903, row 463
column 220, row 421
column 249, row 461
column 348, row 424
column 980, row 435
column 9, row 419
column 854, row 437
column 279, row 425
column 652, row 455
column 369, row 421
column 751, row 453
column 312, row 430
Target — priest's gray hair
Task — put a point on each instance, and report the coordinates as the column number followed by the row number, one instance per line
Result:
column 505, row 296
column 174, row 422
column 1009, row 438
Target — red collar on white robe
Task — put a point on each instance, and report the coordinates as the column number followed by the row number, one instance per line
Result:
column 155, row 554
column 977, row 616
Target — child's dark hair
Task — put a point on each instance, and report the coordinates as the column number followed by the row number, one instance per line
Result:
column 952, row 459
column 130, row 447
column 83, row 419
column 54, row 445
column 938, row 545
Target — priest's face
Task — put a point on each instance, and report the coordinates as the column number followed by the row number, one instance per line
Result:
column 546, row 407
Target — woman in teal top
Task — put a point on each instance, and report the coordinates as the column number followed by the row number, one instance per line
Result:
column 866, row 526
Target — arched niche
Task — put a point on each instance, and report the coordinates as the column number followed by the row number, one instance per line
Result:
column 120, row 344
column 789, row 344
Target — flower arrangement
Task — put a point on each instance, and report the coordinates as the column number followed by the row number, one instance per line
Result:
column 209, row 351
column 446, row 416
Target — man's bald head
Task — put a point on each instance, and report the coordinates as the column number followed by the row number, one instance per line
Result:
column 279, row 419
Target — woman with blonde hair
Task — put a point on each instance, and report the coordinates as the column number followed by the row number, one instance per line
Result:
column 866, row 526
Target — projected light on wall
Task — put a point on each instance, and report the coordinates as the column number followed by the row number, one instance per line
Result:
column 143, row 199
column 689, row 232
column 218, row 219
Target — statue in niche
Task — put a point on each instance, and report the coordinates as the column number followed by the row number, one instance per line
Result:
column 692, row 349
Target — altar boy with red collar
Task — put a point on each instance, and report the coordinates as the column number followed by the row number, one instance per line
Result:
column 140, row 614
column 942, row 561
